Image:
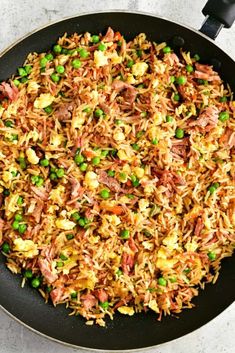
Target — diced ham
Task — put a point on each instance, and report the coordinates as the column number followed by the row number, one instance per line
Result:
column 76, row 189
column 64, row 112
column 46, row 270
column 128, row 262
column 208, row 119
column 228, row 138
column 56, row 295
column 109, row 36
column 88, row 301
column 112, row 183
column 130, row 91
column 38, row 210
column 180, row 148
column 9, row 90
column 198, row 227
column 170, row 179
column 171, row 59
column 1, row 224
column 205, row 72
column 132, row 245
column 40, row 192
column 101, row 295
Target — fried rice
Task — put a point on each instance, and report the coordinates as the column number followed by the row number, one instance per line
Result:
column 116, row 175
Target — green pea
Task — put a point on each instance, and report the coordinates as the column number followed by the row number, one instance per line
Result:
column 111, row 173
column 125, row 234
column 78, row 159
column 16, row 82
column 8, row 123
column 59, row 264
column 87, row 110
column 176, row 97
column 6, row 248
column 82, row 222
column 104, row 153
column 105, row 194
column 118, row 122
column 43, row 62
column 34, row 178
column 55, row 77
column 49, row 56
column 181, row 80
column 119, row 272
column 104, row 305
column 213, row 188
column 135, row 181
column 179, row 133
column 22, row 72
column 173, row 279
column 102, row 47
column 24, row 80
column 64, row 51
column 18, row 217
column 95, row 161
column 140, row 134
column 130, row 196
column 75, row 216
column 223, row 116
column 60, row 172
column 74, row 295
column 83, row 167
column 76, row 63
column 172, row 79
column 28, row 273
column 69, row 236
column 83, row 53
column 60, row 69
column 22, row 163
column 35, row 283
column 154, row 141
column 196, row 57
column 189, row 68
column 99, row 113
column 135, row 146
column 57, row 49
column 169, row 119
column 53, row 176
column 6, row 192
column 162, row 282
column 22, row 228
column 15, row 225
column 95, row 39
column 130, row 63
column 20, row 201
column 166, row 50
column 223, row 99
column 39, row 182
column 44, row 162
column 48, row 109
column 28, row 69
column 211, row 255
column 63, row 257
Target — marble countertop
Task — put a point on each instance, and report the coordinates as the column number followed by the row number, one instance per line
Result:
column 17, row 19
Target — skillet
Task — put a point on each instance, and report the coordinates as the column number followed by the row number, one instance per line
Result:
column 141, row 330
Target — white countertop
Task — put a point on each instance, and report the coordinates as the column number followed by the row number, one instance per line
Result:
column 22, row 16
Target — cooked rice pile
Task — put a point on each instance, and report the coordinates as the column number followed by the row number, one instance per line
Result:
column 117, row 175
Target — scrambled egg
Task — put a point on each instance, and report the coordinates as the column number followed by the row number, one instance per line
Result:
column 43, row 100
column 32, row 157
column 64, row 224
column 56, row 139
column 100, row 59
column 153, row 305
column 126, row 310
column 139, row 69
column 32, row 87
column 119, row 136
column 91, row 180
column 28, row 247
column 56, row 195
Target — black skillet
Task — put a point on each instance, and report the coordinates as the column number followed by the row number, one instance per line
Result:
column 142, row 330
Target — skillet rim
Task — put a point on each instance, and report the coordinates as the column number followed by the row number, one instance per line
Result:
column 38, row 29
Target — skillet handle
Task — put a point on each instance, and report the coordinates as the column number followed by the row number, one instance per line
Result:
column 220, row 13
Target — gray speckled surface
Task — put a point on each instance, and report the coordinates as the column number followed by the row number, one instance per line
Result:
column 21, row 17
